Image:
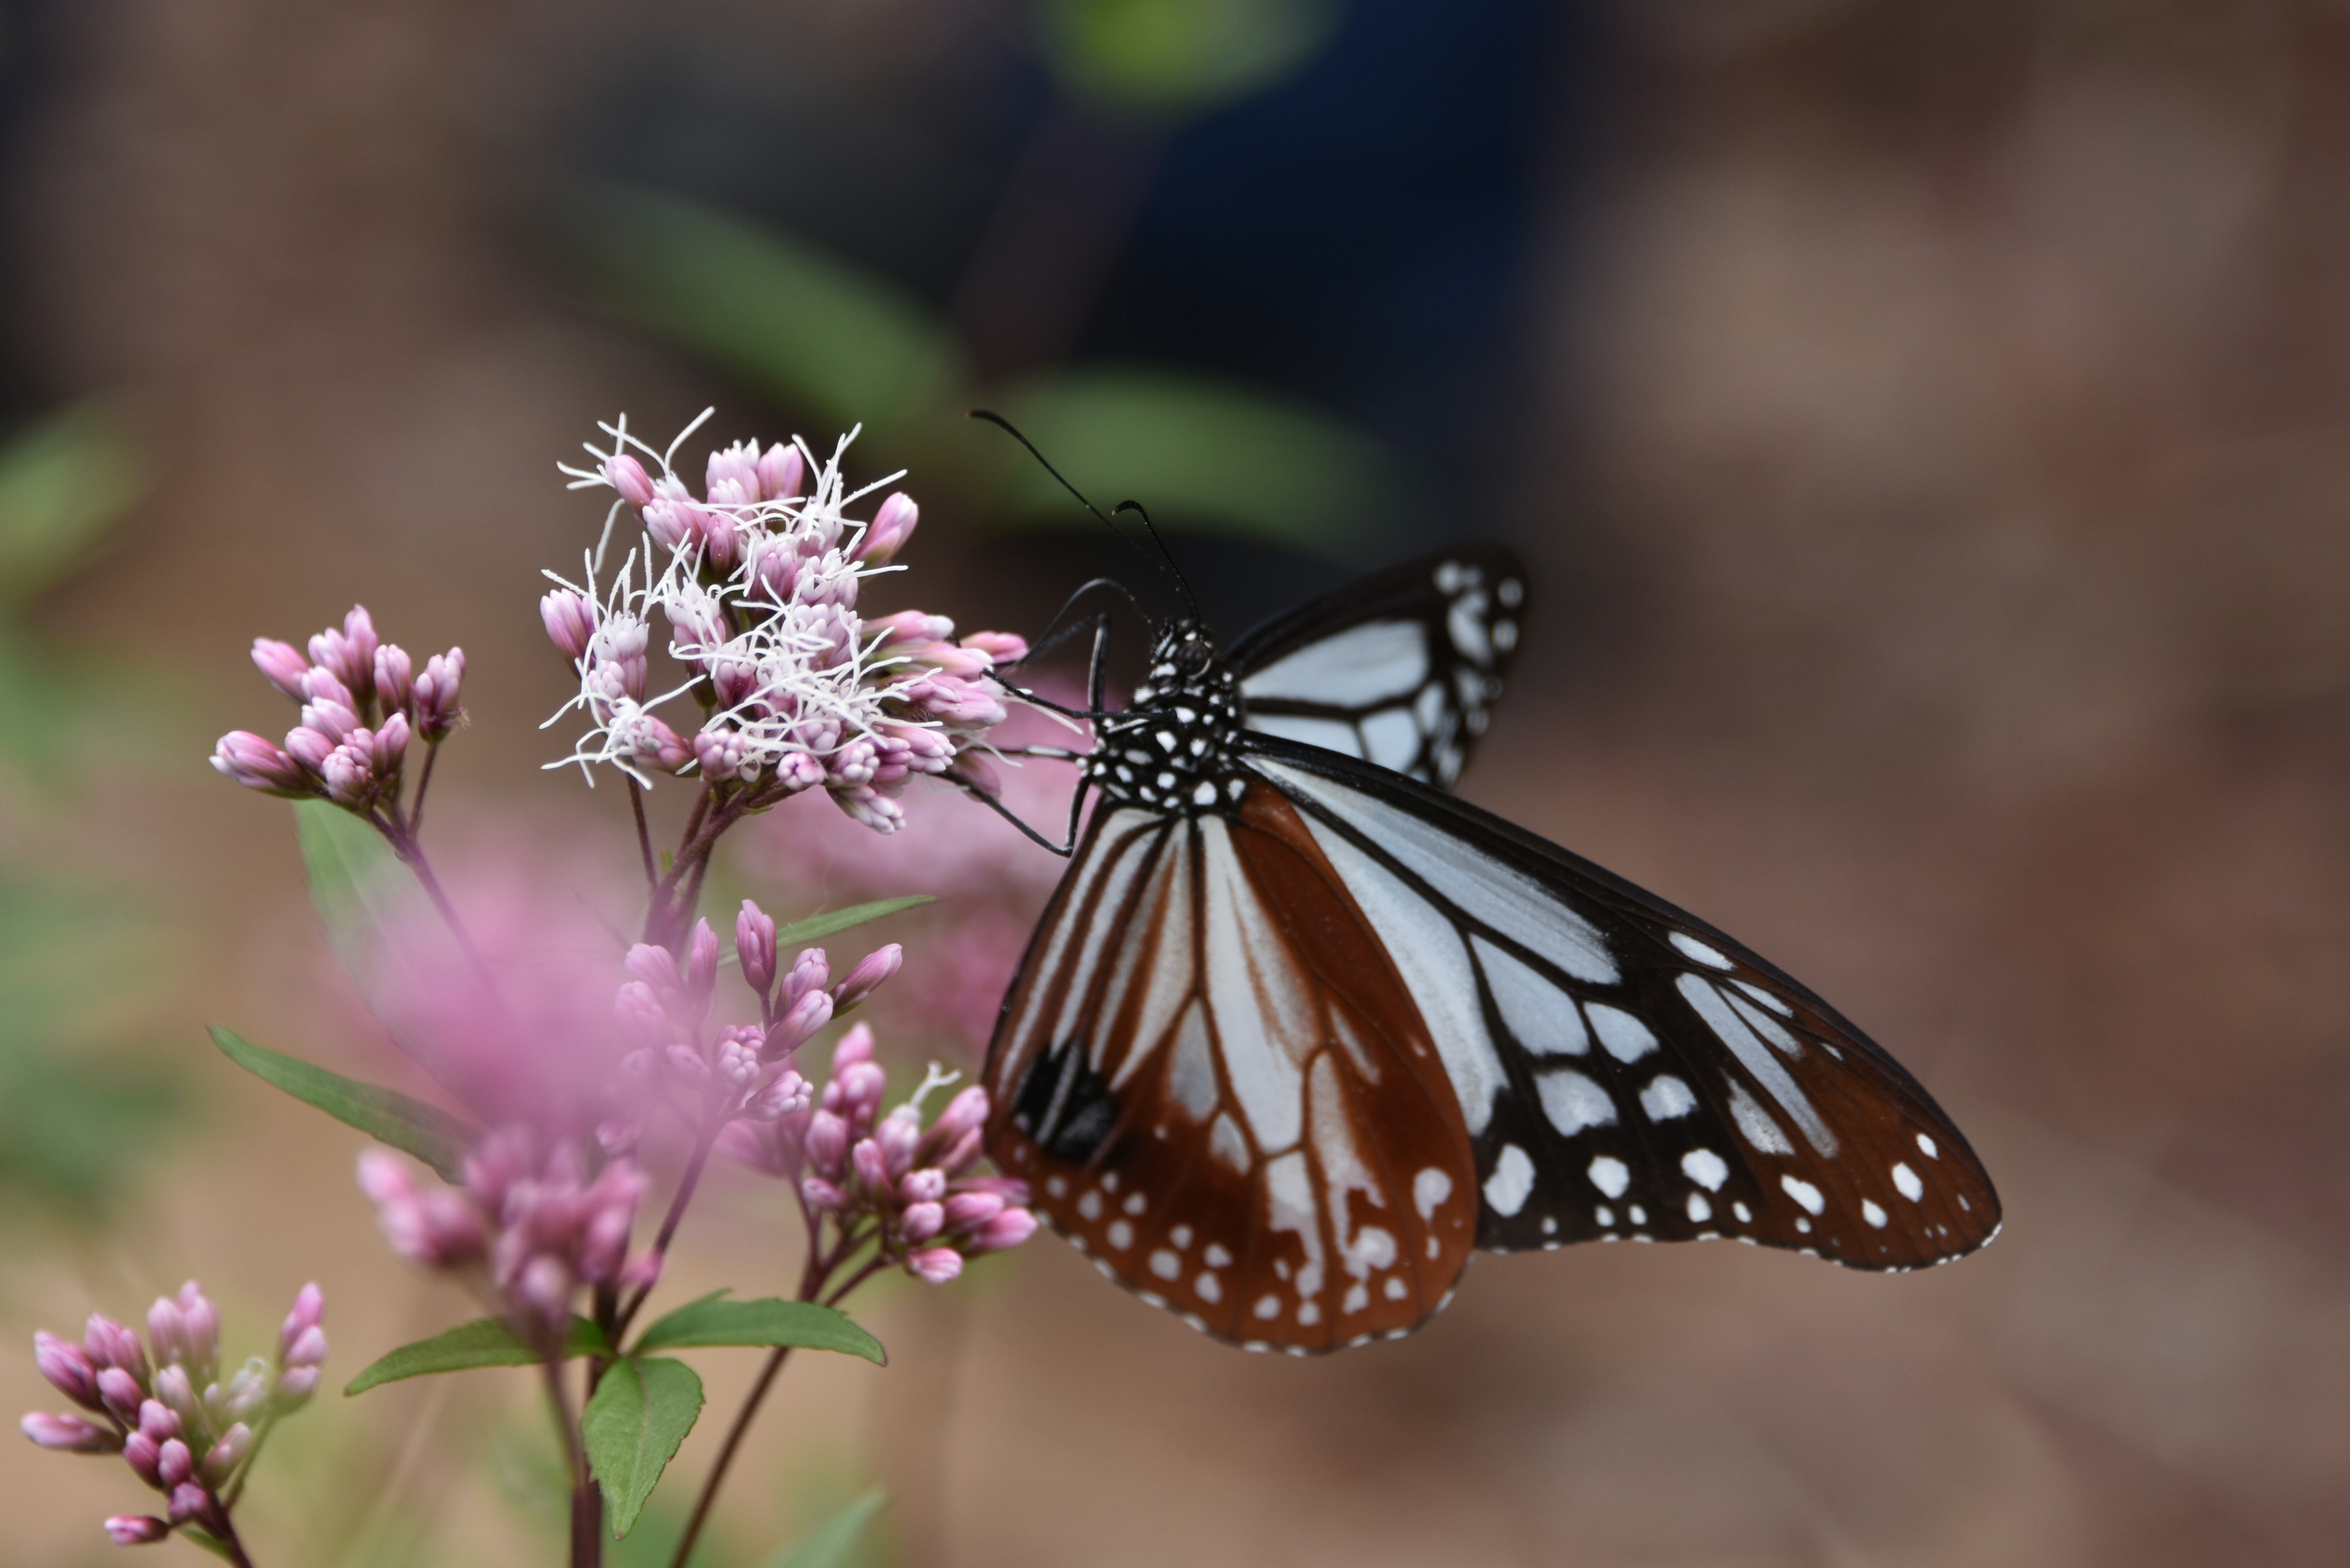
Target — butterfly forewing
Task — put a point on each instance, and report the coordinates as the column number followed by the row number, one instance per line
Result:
column 1216, row 1082
column 1399, row 668
column 1623, row 1069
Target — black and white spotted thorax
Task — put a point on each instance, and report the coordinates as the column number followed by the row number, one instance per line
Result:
column 1172, row 751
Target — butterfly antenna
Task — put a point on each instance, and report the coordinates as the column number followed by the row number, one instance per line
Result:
column 1165, row 554
column 1168, row 562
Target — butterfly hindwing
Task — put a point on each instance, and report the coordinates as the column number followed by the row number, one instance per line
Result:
column 1216, row 1083
column 1399, row 668
column 1624, row 1070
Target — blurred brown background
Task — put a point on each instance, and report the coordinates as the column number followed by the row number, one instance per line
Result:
column 1929, row 423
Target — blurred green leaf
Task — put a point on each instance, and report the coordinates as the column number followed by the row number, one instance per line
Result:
column 839, row 920
column 356, row 882
column 407, row 1124
column 786, row 315
column 63, row 484
column 633, row 1424
column 829, row 1547
column 485, row 1341
column 1198, row 452
column 1178, row 57
column 714, row 1321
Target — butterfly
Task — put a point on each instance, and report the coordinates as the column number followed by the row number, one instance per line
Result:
column 1299, row 1031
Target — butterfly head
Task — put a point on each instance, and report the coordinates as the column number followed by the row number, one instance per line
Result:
column 1171, row 750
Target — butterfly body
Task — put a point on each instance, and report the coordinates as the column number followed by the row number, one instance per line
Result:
column 1299, row 1032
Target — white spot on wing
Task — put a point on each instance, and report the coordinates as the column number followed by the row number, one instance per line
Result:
column 1121, row 1235
column 1667, row 1097
column 1907, row 1180
column 1872, row 1213
column 1699, row 1210
column 1756, row 1058
column 1573, row 1102
column 1611, row 1176
column 1089, row 1207
column 1542, row 1017
column 1210, row 1288
column 1700, row 950
column 1625, row 1037
column 1391, row 739
column 1380, row 659
column 1513, row 1180
column 1166, row 1264
column 1926, row 1147
column 1803, row 1192
column 1428, row 1189
column 1705, row 1167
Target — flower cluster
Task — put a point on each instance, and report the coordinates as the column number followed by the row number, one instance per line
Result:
column 888, row 1179
column 540, row 1218
column 184, row 1430
column 757, row 585
column 363, row 701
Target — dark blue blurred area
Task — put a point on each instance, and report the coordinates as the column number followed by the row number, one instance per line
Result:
column 1356, row 237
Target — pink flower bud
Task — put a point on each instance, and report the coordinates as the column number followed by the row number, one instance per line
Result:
column 308, row 1349
column 786, row 1096
column 823, row 1196
column 797, row 1027
column 176, row 1391
column 70, row 1434
column 654, row 966
column 296, row 1385
column 920, row 1221
column 643, row 1271
column 158, row 1421
column 395, row 678
column 390, row 745
column 872, row 1167
column 732, row 477
column 120, row 1393
column 891, row 528
column 810, row 971
column 910, row 625
column 754, row 945
column 257, row 765
column 570, row 621
column 898, row 1136
column 348, row 772
column 979, row 774
column 140, row 1453
column 1006, row 1230
column 686, row 1065
column 672, row 521
column 619, row 1136
column 281, row 664
column 1002, row 646
column 964, row 1151
column 173, row 1463
column 855, row 1047
column 827, row 1143
column 869, row 975
column 861, row 1088
column 309, row 1311
column 69, row 1370
column 227, row 1454
column 628, row 476
column 799, row 771
column 781, row 470
column 437, row 712
column 135, row 1529
column 189, row 1503
column 307, row 747
column 701, row 963
column 928, row 1184
column 969, row 1210
column 641, row 1014
column 935, row 1265
column 947, row 658
column 329, row 718
column 965, row 1111
column 109, row 1344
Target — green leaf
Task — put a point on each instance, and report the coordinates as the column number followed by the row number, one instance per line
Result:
column 640, row 1414
column 356, row 882
column 485, row 1341
column 785, row 315
column 714, row 1321
column 817, row 926
column 1175, row 58
column 209, row 1541
column 432, row 1135
column 1279, row 470
column 831, row 1545
column 63, row 484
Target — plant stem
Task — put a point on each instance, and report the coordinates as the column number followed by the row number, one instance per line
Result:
column 812, row 1282
column 644, row 834
column 587, row 1503
column 423, row 783
column 228, row 1537
column 685, row 1186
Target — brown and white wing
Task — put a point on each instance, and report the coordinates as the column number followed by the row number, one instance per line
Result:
column 1217, row 1082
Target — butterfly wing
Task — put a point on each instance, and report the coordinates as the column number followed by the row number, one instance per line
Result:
column 1216, row 1083
column 1623, row 1069
column 1398, row 669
